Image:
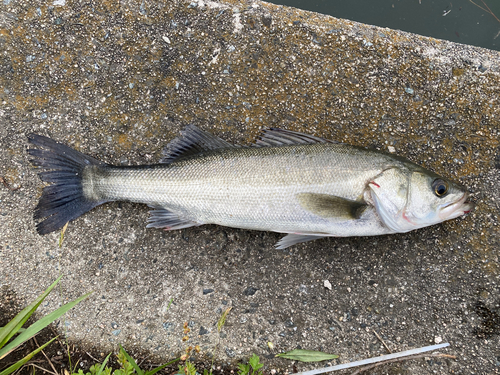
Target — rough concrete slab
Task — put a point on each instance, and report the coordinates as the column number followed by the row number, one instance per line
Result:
column 118, row 80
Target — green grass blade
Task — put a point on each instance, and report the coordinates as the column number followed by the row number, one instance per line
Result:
column 12, row 327
column 36, row 327
column 103, row 366
column 18, row 331
column 20, row 363
column 154, row 371
column 132, row 362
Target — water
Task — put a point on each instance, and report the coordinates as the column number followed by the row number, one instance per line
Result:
column 457, row 20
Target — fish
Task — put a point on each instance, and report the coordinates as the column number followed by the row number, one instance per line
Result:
column 288, row 182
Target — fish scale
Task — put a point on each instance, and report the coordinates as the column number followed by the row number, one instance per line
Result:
column 243, row 187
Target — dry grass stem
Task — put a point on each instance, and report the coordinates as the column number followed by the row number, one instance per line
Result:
column 4, row 182
column 41, row 368
column 487, row 10
column 382, row 341
column 45, row 355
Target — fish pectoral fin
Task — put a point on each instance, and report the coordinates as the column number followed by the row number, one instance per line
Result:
column 160, row 217
column 282, row 137
column 331, row 206
column 192, row 141
column 293, row 238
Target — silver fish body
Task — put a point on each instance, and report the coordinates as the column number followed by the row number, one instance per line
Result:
column 291, row 183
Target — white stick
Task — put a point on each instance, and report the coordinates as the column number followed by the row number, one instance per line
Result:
column 374, row 359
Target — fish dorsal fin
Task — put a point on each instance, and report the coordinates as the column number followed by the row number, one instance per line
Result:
column 282, row 137
column 331, row 206
column 192, row 141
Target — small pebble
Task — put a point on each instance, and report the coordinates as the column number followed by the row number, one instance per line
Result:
column 230, row 353
column 250, row 291
column 327, row 285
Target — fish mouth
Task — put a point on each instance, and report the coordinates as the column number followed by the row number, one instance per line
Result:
column 457, row 208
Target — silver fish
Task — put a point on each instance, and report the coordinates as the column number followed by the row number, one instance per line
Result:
column 287, row 182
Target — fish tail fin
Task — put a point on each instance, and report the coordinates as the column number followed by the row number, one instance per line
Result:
column 64, row 200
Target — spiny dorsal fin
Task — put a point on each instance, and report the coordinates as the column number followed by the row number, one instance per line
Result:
column 331, row 206
column 192, row 141
column 282, row 137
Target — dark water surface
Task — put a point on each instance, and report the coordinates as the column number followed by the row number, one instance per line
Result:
column 459, row 21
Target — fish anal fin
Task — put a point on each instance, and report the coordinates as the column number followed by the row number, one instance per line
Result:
column 331, row 206
column 192, row 141
column 282, row 137
column 161, row 217
column 295, row 238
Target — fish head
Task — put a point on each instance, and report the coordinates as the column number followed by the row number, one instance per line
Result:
column 407, row 199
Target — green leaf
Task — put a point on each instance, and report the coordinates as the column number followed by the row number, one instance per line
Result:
column 36, row 327
column 18, row 331
column 93, row 369
column 307, row 355
column 254, row 361
column 191, row 369
column 20, row 363
column 244, row 369
column 102, row 367
column 132, row 362
column 15, row 324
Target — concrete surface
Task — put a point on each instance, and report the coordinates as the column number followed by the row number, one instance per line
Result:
column 118, row 80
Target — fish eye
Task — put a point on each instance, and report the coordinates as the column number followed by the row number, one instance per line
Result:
column 440, row 187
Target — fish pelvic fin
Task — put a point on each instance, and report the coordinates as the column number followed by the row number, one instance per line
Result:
column 161, row 217
column 331, row 206
column 281, row 137
column 192, row 141
column 295, row 238
column 63, row 167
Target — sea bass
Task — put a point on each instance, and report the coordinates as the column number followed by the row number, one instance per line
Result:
column 287, row 182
